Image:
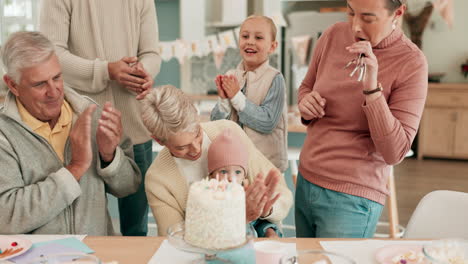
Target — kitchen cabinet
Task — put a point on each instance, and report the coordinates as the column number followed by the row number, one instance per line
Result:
column 444, row 126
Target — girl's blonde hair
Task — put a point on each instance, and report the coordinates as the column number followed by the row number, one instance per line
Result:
column 270, row 22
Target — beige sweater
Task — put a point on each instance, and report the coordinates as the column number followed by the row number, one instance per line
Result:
column 274, row 145
column 167, row 188
column 88, row 34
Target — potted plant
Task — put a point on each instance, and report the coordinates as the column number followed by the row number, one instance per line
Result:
column 464, row 68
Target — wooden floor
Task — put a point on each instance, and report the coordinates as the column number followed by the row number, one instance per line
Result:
column 414, row 179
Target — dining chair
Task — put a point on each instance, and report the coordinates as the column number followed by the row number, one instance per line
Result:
column 393, row 227
column 395, row 230
column 440, row 214
column 293, row 158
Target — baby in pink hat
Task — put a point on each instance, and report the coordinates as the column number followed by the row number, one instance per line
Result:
column 228, row 158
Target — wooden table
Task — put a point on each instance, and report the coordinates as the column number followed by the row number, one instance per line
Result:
column 135, row 250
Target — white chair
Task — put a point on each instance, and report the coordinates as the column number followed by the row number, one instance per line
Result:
column 395, row 230
column 440, row 214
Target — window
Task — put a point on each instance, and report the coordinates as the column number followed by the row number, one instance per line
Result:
column 17, row 15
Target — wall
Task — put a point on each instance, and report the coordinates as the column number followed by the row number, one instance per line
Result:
column 446, row 49
column 169, row 30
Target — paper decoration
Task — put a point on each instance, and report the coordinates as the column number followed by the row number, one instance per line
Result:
column 218, row 58
column 445, row 8
column 165, row 50
column 193, row 49
column 301, row 47
column 227, row 39
column 216, row 44
column 179, row 51
column 218, row 50
column 213, row 43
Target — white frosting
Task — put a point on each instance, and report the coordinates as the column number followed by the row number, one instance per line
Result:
column 215, row 215
column 448, row 251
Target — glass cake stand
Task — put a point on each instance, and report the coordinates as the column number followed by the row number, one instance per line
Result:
column 175, row 236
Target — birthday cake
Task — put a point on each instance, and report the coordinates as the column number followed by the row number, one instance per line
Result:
column 215, row 215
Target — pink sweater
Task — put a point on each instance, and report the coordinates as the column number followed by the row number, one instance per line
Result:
column 351, row 148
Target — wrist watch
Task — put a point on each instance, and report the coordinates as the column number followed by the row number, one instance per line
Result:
column 378, row 89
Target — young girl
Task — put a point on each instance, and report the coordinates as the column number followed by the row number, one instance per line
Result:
column 228, row 159
column 254, row 94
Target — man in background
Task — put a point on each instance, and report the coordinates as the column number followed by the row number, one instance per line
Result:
column 108, row 50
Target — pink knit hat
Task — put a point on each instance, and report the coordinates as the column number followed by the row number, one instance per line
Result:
column 227, row 149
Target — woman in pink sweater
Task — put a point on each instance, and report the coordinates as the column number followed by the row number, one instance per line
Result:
column 357, row 129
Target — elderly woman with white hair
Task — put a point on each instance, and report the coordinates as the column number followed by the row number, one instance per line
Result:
column 174, row 122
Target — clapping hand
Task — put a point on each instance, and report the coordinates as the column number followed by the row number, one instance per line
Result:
column 259, row 195
column 80, row 142
column 230, row 86
column 219, row 86
column 109, row 132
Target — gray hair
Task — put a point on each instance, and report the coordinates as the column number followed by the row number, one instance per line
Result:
column 25, row 49
column 167, row 111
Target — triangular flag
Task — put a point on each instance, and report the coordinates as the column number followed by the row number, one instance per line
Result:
column 165, row 50
column 218, row 57
column 179, row 51
column 445, row 8
column 227, row 39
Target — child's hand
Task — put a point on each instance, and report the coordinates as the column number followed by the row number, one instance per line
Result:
column 270, row 232
column 219, row 86
column 230, row 86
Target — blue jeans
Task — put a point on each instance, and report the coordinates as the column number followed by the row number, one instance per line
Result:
column 321, row 212
column 133, row 209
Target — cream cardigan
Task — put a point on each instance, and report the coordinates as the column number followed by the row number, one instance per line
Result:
column 167, row 188
column 88, row 34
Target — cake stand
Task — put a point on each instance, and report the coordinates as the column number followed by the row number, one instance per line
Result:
column 175, row 236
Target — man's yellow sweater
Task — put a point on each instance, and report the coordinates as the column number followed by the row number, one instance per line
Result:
column 167, row 188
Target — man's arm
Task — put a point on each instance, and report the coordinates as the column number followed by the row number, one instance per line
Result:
column 122, row 176
column 115, row 161
column 89, row 75
column 26, row 207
